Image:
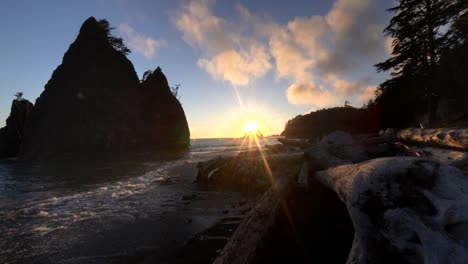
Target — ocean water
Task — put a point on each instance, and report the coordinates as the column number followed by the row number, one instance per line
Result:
column 91, row 211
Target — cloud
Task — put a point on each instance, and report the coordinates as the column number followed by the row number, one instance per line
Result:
column 348, row 88
column 309, row 93
column 368, row 94
column 326, row 58
column 290, row 61
column 201, row 29
column 226, row 54
column 389, row 45
column 238, row 67
column 332, row 51
column 138, row 42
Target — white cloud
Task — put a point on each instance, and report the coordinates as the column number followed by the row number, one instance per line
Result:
column 201, row 29
column 327, row 58
column 290, row 61
column 309, row 93
column 368, row 94
column 238, row 67
column 344, row 13
column 227, row 54
column 389, row 45
column 348, row 88
column 146, row 46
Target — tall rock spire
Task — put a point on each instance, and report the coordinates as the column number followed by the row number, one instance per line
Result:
column 94, row 103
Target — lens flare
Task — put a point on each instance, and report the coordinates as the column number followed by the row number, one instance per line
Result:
column 251, row 138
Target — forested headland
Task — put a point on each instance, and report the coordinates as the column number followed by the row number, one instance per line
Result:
column 428, row 69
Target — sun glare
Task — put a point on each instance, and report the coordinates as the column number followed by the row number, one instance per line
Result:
column 250, row 127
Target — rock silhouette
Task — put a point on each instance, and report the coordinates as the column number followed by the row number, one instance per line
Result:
column 12, row 134
column 161, row 112
column 94, row 102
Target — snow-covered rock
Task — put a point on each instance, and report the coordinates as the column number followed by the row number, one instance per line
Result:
column 404, row 210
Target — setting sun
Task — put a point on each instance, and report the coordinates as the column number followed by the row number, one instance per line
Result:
column 250, row 126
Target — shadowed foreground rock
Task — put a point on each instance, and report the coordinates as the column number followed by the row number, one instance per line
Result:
column 12, row 134
column 94, row 102
column 404, row 210
column 404, row 204
column 251, row 172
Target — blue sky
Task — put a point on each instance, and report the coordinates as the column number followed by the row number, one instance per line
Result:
column 236, row 61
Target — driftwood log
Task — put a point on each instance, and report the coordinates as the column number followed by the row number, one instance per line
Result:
column 404, row 210
column 295, row 143
column 456, row 138
column 249, row 238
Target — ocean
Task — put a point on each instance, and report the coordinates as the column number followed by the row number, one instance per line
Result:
column 110, row 211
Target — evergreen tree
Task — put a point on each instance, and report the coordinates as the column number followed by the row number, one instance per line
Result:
column 418, row 36
column 458, row 33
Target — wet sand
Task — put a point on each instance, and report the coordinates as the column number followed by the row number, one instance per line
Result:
column 192, row 227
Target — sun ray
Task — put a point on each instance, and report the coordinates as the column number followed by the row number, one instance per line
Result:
column 239, row 100
column 252, row 138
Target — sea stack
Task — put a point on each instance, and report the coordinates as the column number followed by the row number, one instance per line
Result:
column 161, row 112
column 12, row 134
column 94, row 103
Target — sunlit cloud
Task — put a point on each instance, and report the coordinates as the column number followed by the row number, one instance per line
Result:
column 389, row 45
column 308, row 93
column 327, row 59
column 348, row 88
column 139, row 43
column 227, row 54
column 329, row 51
column 368, row 94
column 238, row 67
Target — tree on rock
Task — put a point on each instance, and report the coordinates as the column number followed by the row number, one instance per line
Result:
column 19, row 96
column 115, row 42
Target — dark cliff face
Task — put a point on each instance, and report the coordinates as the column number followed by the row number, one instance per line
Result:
column 91, row 104
column 162, row 112
column 12, row 134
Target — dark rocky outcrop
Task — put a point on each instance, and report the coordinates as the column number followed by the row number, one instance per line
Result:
column 94, row 102
column 162, row 113
column 12, row 133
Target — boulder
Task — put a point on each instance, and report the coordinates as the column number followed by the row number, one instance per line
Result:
column 251, row 172
column 404, row 210
column 12, row 134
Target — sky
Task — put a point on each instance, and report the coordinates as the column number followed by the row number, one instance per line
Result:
column 236, row 61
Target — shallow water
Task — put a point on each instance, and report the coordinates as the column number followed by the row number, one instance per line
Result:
column 70, row 211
